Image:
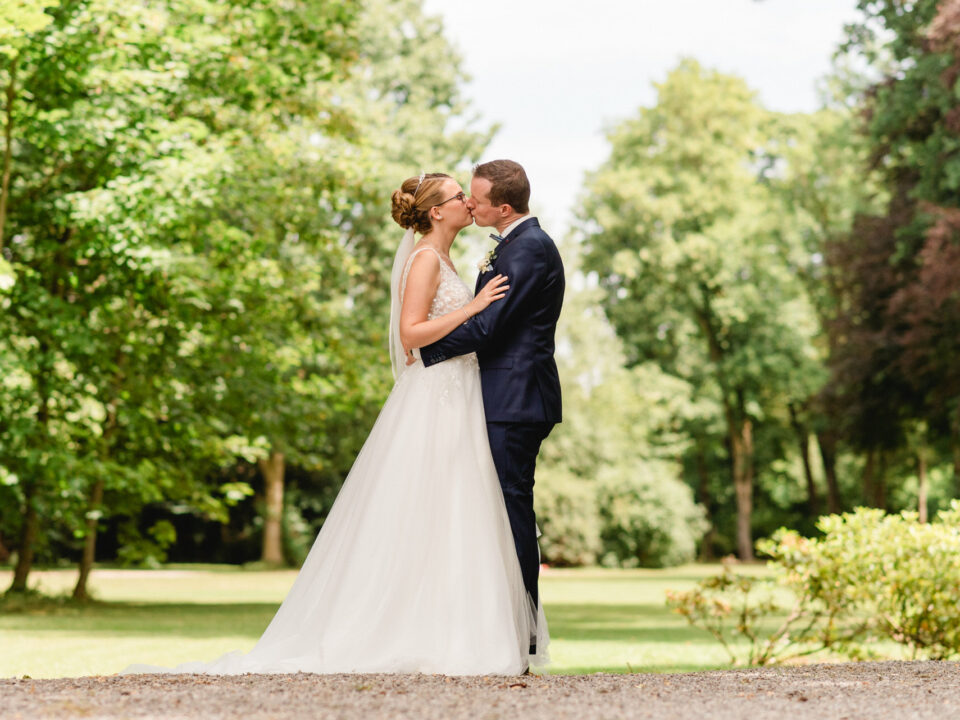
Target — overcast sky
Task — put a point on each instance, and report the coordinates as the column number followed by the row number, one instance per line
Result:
column 556, row 73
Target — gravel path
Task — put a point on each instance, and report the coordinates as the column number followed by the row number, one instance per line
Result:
column 851, row 691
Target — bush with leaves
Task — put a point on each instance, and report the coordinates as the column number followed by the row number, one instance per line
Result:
column 901, row 575
column 870, row 577
column 638, row 515
column 568, row 518
column 649, row 517
column 609, row 488
column 736, row 608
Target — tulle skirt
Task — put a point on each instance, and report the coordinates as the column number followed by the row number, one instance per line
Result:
column 414, row 569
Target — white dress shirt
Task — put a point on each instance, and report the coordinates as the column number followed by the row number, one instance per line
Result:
column 509, row 228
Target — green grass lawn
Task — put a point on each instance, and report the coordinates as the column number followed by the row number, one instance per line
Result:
column 600, row 620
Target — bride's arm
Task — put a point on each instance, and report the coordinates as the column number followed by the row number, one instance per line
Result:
column 422, row 283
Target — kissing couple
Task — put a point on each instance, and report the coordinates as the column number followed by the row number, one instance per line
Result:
column 428, row 561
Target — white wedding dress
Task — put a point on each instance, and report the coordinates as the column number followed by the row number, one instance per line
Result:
column 415, row 568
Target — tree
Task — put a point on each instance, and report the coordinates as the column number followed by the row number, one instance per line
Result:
column 109, row 194
column 896, row 325
column 201, row 250
column 609, row 485
column 20, row 18
column 824, row 182
column 685, row 241
column 318, row 350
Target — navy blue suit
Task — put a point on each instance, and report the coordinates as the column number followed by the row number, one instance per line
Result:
column 514, row 341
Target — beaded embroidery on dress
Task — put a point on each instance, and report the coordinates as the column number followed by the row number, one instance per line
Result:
column 415, row 568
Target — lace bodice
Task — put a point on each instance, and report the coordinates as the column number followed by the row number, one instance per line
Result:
column 452, row 294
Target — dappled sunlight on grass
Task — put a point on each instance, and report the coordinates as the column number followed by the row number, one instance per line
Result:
column 600, row 620
column 616, row 621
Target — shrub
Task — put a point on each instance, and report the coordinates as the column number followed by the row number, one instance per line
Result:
column 567, row 517
column 901, row 574
column 298, row 534
column 871, row 576
column 648, row 517
column 145, row 550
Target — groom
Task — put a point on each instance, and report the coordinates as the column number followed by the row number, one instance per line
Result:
column 514, row 342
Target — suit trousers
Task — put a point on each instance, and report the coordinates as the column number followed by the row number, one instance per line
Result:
column 515, row 446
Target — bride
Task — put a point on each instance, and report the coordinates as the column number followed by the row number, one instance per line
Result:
column 415, row 568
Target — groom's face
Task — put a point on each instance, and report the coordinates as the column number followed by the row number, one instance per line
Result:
column 484, row 214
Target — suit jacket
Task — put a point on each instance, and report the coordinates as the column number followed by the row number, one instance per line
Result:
column 514, row 337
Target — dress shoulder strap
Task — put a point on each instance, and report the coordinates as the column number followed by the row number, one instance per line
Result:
column 406, row 269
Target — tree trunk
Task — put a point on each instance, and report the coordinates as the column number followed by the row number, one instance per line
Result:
column 11, row 94
column 880, row 484
column 956, row 469
column 739, row 431
column 827, row 442
column 921, row 484
column 803, row 444
column 31, row 521
column 90, row 542
column 869, row 477
column 272, row 469
column 703, row 497
column 874, row 479
column 742, row 449
column 955, row 448
column 28, row 536
column 95, row 505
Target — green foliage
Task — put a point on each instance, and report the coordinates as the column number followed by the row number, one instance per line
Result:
column 707, row 228
column 731, row 607
column 897, row 327
column 194, row 250
column 128, row 272
column 298, row 535
column 910, row 111
column 18, row 19
column 608, row 487
column 198, row 248
column 649, row 519
column 568, row 517
column 685, row 246
column 870, row 577
column 900, row 574
column 145, row 550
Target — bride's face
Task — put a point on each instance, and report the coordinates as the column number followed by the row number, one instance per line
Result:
column 453, row 210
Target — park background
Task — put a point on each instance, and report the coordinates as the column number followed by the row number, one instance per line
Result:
column 761, row 324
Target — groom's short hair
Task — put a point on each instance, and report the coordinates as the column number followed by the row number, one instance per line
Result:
column 508, row 183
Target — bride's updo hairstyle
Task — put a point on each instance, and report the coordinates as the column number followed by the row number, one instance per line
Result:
column 412, row 202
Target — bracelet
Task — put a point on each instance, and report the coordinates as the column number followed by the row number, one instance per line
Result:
column 467, row 314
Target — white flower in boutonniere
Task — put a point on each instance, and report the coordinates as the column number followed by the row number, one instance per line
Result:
column 486, row 265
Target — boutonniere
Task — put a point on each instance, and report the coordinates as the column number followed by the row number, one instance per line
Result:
column 486, row 265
